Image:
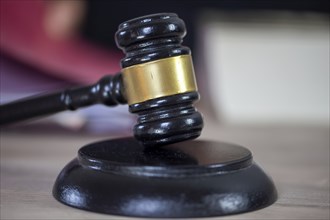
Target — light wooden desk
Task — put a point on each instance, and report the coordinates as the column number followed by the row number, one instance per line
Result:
column 297, row 158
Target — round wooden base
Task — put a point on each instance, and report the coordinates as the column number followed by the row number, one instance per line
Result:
column 187, row 179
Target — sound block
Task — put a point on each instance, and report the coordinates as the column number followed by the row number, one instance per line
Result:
column 187, row 179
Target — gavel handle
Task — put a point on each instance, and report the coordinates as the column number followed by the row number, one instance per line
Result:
column 107, row 91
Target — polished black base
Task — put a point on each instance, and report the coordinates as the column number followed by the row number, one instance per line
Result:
column 187, row 179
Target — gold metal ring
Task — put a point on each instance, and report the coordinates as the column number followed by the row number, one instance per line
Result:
column 159, row 78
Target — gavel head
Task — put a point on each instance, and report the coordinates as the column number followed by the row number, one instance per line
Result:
column 159, row 80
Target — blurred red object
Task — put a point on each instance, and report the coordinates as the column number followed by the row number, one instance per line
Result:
column 24, row 38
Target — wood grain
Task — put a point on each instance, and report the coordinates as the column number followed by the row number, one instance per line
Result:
column 296, row 157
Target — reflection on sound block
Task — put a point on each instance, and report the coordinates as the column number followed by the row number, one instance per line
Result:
column 187, row 179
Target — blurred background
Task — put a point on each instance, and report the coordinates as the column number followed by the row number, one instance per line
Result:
column 257, row 62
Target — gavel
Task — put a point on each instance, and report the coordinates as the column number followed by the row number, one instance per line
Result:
column 157, row 81
column 131, row 176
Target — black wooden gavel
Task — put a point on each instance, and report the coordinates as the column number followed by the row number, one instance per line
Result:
column 157, row 81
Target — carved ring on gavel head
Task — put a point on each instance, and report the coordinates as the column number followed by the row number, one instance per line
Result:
column 157, row 81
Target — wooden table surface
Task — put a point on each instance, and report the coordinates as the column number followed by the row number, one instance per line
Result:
column 296, row 157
